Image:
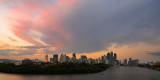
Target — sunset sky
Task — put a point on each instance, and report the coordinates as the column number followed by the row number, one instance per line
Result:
column 34, row 28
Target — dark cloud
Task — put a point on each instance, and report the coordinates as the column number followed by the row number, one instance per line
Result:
column 92, row 25
column 27, row 50
column 153, row 53
column 96, row 24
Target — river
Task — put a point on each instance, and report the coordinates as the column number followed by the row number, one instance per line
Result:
column 113, row 73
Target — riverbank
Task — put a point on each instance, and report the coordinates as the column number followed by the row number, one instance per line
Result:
column 53, row 68
column 152, row 67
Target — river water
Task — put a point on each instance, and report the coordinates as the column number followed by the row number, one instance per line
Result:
column 113, row 73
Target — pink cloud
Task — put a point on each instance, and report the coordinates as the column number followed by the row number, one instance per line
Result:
column 45, row 20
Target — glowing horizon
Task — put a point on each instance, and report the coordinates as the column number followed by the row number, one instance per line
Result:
column 31, row 29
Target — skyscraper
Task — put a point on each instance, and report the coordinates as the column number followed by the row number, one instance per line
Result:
column 112, row 57
column 130, row 62
column 136, row 62
column 83, row 59
column 46, row 58
column 74, row 58
column 51, row 60
column 115, row 56
column 109, row 57
column 55, row 58
column 102, row 59
column 99, row 60
column 105, row 57
column 125, row 62
column 63, row 58
column 67, row 59
column 74, row 54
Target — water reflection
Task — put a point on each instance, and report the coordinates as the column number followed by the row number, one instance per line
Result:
column 114, row 73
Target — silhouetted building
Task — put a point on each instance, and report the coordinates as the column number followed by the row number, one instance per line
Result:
column 74, row 58
column 55, row 58
column 46, row 58
column 130, row 62
column 51, row 60
column 99, row 60
column 136, row 62
column 112, row 60
column 83, row 59
column 102, row 59
column 109, row 58
column 91, row 61
column 63, row 58
column 67, row 59
column 125, row 62
column 115, row 56
column 74, row 55
column 105, row 58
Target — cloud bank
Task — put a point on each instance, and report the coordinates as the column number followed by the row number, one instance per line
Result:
column 84, row 25
column 153, row 53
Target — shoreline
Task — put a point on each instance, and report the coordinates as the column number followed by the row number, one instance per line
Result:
column 60, row 69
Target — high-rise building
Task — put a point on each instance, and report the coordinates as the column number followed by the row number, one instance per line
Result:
column 67, row 59
column 91, row 61
column 83, row 59
column 55, row 58
column 136, row 62
column 46, row 58
column 102, row 59
column 130, row 62
column 51, row 60
column 74, row 54
column 74, row 58
column 63, row 58
column 125, row 62
column 105, row 57
column 109, row 57
column 99, row 60
column 112, row 57
column 115, row 57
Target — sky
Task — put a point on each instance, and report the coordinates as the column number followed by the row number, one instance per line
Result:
column 34, row 28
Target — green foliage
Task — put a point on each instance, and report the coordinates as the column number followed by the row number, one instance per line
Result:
column 53, row 68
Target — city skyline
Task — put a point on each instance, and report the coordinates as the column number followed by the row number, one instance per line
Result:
column 32, row 29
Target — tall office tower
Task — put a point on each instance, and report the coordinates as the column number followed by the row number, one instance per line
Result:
column 105, row 57
column 74, row 54
column 130, row 62
column 51, row 60
column 102, row 59
column 125, row 62
column 109, row 57
column 120, row 62
column 67, row 59
column 83, row 59
column 46, row 58
column 55, row 58
column 74, row 58
column 136, row 62
column 99, row 60
column 115, row 56
column 112, row 57
column 63, row 58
